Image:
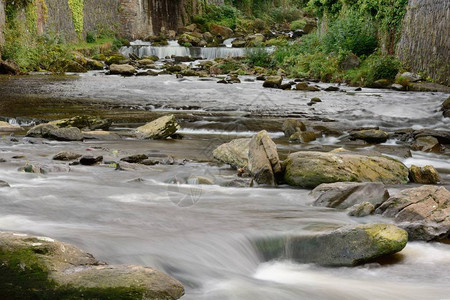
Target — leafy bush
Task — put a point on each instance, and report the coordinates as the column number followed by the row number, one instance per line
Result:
column 384, row 67
column 375, row 67
column 91, row 37
column 298, row 24
column 225, row 15
column 285, row 14
column 350, row 34
column 258, row 57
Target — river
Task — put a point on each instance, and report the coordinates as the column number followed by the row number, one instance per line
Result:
column 202, row 235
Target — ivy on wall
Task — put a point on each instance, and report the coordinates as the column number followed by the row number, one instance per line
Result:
column 76, row 6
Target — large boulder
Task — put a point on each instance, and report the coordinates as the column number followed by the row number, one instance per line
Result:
column 370, row 135
column 222, row 31
column 424, row 175
column 6, row 127
column 83, row 122
column 53, row 132
column 426, row 144
column 9, row 67
column 291, row 126
column 346, row 194
column 309, row 169
column 159, row 129
column 234, row 153
column 42, row 268
column 424, row 212
column 347, row 246
column 125, row 69
column 263, row 161
column 273, row 82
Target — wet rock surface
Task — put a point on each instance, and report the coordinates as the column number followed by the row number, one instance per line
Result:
column 347, row 194
column 42, row 267
column 309, row 169
column 424, row 212
column 348, row 246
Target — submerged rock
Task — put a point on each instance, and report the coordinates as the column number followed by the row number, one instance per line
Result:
column 303, row 86
column 44, row 169
column 6, row 127
column 263, row 161
column 346, row 194
column 53, row 132
column 83, row 122
column 158, row 129
column 424, row 212
column 66, row 156
column 303, row 137
column 40, row 267
column 361, row 210
column 135, row 159
column 347, row 246
column 89, row 160
column 424, row 175
column 309, row 169
column 370, row 136
column 101, row 135
column 234, row 153
column 4, row 184
column 291, row 126
column 273, row 82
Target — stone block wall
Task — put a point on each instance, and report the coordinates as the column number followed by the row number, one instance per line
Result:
column 425, row 42
column 2, row 23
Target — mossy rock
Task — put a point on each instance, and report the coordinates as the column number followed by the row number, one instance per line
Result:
column 347, row 246
column 116, row 59
column 42, row 268
column 308, row 169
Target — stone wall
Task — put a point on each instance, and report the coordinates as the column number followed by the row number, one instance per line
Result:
column 2, row 24
column 142, row 18
column 425, row 43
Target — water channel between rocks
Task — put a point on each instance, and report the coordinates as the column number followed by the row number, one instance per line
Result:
column 206, row 242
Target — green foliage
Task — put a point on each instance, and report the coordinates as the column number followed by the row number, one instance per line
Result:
column 258, row 57
column 225, row 15
column 91, row 37
column 385, row 16
column 285, row 14
column 76, row 6
column 351, row 34
column 298, row 24
column 375, row 67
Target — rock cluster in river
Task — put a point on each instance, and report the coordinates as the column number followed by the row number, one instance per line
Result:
column 40, row 267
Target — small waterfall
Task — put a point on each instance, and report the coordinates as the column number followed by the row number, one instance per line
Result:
column 141, row 49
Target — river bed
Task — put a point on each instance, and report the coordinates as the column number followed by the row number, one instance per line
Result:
column 202, row 235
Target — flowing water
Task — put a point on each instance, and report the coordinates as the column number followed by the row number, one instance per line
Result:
column 202, row 235
column 143, row 49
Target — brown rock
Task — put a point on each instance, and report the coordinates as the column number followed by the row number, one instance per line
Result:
column 424, row 175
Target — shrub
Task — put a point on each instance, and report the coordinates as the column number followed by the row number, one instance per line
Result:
column 352, row 34
column 298, row 24
column 91, row 37
column 258, row 57
column 285, row 14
